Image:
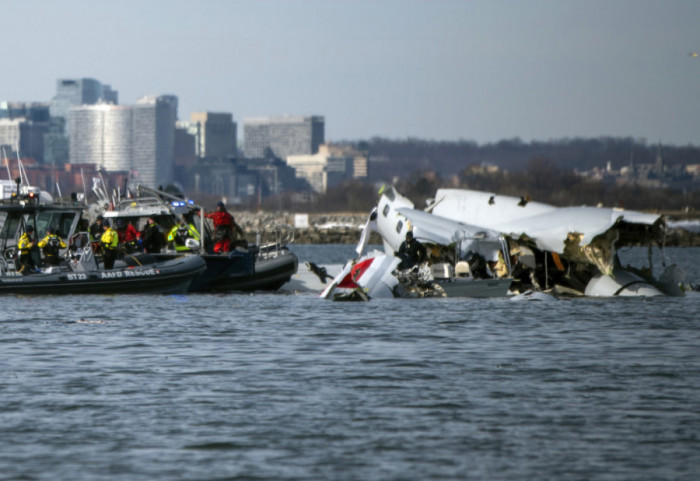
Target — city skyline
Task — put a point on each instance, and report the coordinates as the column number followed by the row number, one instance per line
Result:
column 448, row 70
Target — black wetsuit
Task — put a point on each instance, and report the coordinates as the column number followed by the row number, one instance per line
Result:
column 411, row 253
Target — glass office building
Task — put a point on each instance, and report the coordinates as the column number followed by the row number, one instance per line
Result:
column 138, row 139
column 284, row 136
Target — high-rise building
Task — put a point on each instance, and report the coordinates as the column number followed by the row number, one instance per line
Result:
column 33, row 111
column 56, row 150
column 23, row 125
column 72, row 93
column 215, row 135
column 138, row 139
column 25, row 135
column 154, row 140
column 101, row 134
column 284, row 136
column 76, row 92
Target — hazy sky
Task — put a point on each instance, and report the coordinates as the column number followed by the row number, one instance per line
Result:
column 432, row 69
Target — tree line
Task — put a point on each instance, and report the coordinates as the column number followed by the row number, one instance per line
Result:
column 542, row 171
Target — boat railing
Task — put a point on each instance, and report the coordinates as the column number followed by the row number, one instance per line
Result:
column 80, row 256
column 140, row 204
column 270, row 241
column 8, row 265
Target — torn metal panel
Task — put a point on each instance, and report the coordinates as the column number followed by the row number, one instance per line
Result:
column 551, row 228
column 570, row 250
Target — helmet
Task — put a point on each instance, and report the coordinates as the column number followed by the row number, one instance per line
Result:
column 106, row 223
column 30, row 228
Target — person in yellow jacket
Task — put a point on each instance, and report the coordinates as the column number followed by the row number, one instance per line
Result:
column 178, row 235
column 51, row 244
column 26, row 243
column 109, row 242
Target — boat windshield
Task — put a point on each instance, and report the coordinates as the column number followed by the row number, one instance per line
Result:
column 10, row 224
column 62, row 220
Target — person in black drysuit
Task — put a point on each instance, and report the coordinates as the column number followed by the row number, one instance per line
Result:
column 96, row 229
column 411, row 252
column 152, row 237
column 51, row 245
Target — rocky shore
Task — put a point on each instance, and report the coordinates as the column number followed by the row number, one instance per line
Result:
column 345, row 228
column 340, row 228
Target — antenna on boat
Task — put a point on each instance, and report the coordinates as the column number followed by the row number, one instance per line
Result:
column 7, row 164
column 22, row 173
column 58, row 189
column 104, row 186
column 99, row 193
column 82, row 176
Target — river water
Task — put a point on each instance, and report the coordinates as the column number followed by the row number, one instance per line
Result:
column 292, row 387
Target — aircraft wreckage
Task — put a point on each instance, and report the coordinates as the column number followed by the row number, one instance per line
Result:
column 482, row 244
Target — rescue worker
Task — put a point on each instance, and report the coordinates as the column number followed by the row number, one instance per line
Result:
column 109, row 242
column 224, row 224
column 51, row 245
column 411, row 252
column 128, row 236
column 96, row 229
column 25, row 245
column 178, row 235
column 152, row 237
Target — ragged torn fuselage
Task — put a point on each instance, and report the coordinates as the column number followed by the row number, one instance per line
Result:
column 462, row 260
column 568, row 249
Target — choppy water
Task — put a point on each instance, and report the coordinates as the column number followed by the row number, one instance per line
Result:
column 291, row 387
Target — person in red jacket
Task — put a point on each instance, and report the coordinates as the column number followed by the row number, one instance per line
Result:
column 224, row 225
column 128, row 236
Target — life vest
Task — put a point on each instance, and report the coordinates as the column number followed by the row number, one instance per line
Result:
column 53, row 245
column 24, row 244
column 109, row 239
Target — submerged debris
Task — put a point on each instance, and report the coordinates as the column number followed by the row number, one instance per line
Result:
column 417, row 282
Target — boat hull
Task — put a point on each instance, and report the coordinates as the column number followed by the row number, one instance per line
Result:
column 241, row 271
column 269, row 275
column 169, row 277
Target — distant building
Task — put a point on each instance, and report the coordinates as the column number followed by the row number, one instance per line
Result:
column 154, row 140
column 33, row 111
column 275, row 176
column 224, row 178
column 215, row 135
column 138, row 139
column 77, row 92
column 184, row 157
column 284, row 136
column 56, row 150
column 101, row 134
column 330, row 166
column 24, row 125
column 24, row 134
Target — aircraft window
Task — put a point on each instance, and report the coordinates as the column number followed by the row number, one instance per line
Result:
column 385, row 211
column 399, row 226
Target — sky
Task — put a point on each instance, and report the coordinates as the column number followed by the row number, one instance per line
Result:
column 477, row 70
